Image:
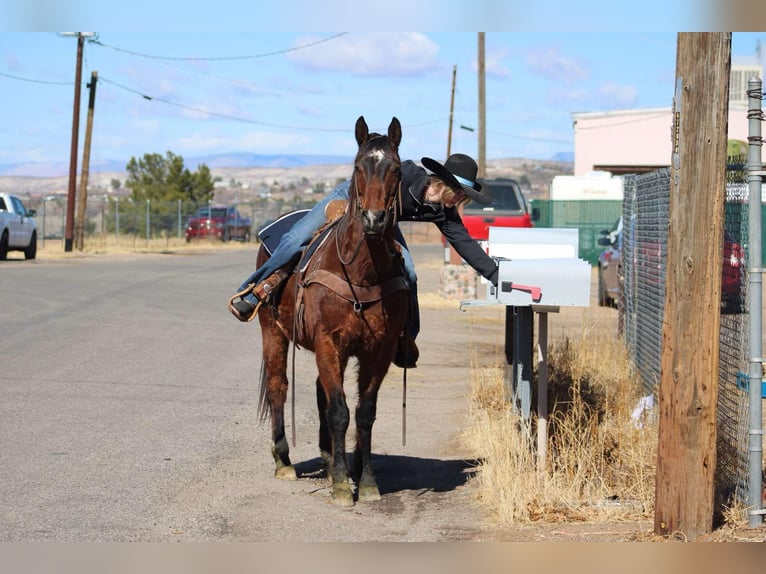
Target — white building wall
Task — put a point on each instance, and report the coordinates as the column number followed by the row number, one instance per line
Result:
column 634, row 137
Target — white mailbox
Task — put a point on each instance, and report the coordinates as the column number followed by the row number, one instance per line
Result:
column 537, row 266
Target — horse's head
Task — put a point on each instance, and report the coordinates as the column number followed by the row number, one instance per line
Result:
column 377, row 176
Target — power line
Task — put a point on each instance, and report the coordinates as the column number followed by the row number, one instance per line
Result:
column 33, row 81
column 217, row 114
column 218, row 58
column 252, row 121
column 240, row 119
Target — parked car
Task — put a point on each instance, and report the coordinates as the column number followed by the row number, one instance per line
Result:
column 18, row 229
column 508, row 209
column 732, row 275
column 610, row 266
column 218, row 222
column 610, row 270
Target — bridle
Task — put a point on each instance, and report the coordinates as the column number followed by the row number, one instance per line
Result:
column 392, row 202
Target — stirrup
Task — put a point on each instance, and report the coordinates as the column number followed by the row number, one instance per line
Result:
column 240, row 295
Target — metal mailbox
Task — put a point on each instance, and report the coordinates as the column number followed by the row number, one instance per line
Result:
column 537, row 266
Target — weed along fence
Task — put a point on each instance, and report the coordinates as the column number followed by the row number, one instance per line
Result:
column 532, row 263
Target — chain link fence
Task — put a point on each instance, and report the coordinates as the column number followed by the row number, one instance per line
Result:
column 644, row 256
column 126, row 219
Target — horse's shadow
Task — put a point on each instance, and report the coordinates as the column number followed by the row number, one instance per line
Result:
column 396, row 473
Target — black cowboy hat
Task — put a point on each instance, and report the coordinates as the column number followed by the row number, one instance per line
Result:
column 459, row 172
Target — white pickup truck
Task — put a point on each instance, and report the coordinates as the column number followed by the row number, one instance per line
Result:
column 18, row 229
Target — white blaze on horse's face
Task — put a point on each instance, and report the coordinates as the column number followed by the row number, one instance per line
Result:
column 376, row 155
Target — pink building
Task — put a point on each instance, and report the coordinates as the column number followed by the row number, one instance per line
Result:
column 633, row 141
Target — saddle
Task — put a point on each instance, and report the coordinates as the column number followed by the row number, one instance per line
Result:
column 271, row 234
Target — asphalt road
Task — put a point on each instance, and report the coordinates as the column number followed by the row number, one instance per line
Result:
column 128, row 413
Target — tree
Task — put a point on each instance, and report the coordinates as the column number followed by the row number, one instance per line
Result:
column 158, row 184
column 319, row 187
column 161, row 179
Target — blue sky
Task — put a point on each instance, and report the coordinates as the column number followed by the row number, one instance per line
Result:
column 301, row 92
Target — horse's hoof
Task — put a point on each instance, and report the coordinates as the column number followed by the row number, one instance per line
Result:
column 285, row 473
column 369, row 493
column 342, row 497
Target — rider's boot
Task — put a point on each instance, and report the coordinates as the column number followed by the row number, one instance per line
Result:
column 407, row 352
column 244, row 309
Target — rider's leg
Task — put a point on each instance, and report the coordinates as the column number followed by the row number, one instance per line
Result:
column 407, row 352
column 265, row 279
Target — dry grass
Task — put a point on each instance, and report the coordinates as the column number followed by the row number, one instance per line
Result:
column 600, row 464
column 109, row 244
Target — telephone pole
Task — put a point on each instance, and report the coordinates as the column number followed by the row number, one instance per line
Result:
column 688, row 391
column 82, row 196
column 451, row 108
column 69, row 230
column 481, row 160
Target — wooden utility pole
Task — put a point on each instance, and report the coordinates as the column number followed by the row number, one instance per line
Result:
column 451, row 110
column 688, row 393
column 481, row 160
column 69, row 229
column 82, row 196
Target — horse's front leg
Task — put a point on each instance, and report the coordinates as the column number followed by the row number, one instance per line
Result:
column 337, row 419
column 325, row 442
column 366, row 409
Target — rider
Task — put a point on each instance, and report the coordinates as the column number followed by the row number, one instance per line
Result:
column 435, row 198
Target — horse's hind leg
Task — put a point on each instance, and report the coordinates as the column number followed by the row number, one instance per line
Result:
column 275, row 348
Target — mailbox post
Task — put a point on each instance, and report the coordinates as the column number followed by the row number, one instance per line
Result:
column 539, row 272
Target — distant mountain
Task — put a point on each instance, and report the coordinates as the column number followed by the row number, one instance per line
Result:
column 243, row 159
column 233, row 160
column 567, row 156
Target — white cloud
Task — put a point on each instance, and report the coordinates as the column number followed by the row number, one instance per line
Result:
column 573, row 99
column 379, row 54
column 12, row 63
column 608, row 96
column 550, row 63
column 612, row 95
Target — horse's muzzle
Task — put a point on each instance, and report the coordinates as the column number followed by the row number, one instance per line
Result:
column 374, row 222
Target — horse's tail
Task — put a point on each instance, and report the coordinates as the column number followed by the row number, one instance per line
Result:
column 263, row 402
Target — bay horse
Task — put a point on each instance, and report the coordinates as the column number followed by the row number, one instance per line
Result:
column 349, row 300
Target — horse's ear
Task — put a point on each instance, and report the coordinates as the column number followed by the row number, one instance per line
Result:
column 362, row 131
column 395, row 132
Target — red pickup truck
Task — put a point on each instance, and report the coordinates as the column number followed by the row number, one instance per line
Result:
column 508, row 209
column 218, row 222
